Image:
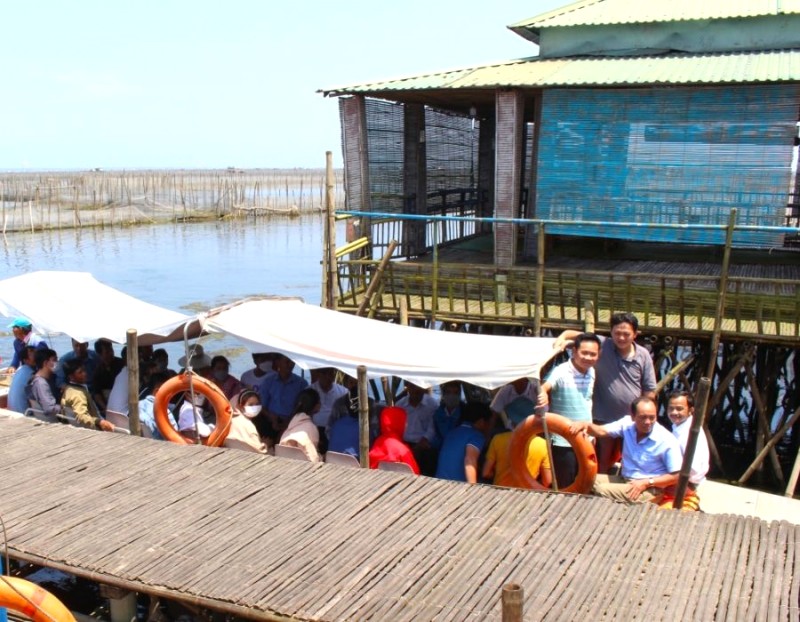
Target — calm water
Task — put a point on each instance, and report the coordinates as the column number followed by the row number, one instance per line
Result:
column 185, row 267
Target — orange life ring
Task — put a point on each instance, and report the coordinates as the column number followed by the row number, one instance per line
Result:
column 32, row 600
column 583, row 448
column 214, row 395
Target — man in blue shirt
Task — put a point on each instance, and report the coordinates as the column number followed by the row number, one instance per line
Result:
column 458, row 458
column 279, row 393
column 651, row 455
column 17, row 393
column 23, row 336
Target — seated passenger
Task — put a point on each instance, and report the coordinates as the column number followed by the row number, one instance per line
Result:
column 448, row 415
column 680, row 409
column 651, row 456
column 345, row 433
column 420, row 431
column 329, row 391
column 190, row 417
column 23, row 336
column 242, row 433
column 147, row 416
column 279, row 393
column 517, row 400
column 80, row 352
column 17, row 391
column 108, row 367
column 348, row 406
column 221, row 376
column 458, row 459
column 497, row 468
column 301, row 431
column 252, row 378
column 161, row 358
column 389, row 446
column 78, row 399
column 42, row 387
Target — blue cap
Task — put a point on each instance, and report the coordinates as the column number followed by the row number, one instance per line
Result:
column 21, row 322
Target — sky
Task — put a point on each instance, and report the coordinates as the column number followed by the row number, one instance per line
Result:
column 199, row 84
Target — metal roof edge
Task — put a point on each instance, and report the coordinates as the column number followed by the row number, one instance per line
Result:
column 339, row 90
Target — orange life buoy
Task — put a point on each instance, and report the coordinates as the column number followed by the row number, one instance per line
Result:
column 32, row 600
column 583, row 448
column 214, row 395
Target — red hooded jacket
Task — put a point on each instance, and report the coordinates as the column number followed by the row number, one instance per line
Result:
column 389, row 446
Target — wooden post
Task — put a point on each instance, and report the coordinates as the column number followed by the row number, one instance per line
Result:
column 513, row 603
column 772, row 442
column 691, row 444
column 723, row 288
column 793, row 477
column 376, row 279
column 537, row 311
column 363, row 416
column 588, row 317
column 329, row 253
column 133, row 382
column 435, row 279
column 403, row 311
column 763, row 427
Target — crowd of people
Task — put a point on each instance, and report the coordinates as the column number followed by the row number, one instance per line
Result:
column 606, row 388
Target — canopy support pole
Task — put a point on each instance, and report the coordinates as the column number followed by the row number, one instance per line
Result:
column 363, row 416
column 133, row 382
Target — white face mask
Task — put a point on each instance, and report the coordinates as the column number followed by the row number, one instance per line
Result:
column 252, row 410
column 265, row 366
column 52, row 365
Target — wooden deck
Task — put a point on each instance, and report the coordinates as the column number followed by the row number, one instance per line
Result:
column 268, row 538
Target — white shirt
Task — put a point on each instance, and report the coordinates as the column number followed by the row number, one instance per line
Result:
column 419, row 421
column 186, row 420
column 700, row 463
column 326, row 400
column 508, row 394
column 118, row 398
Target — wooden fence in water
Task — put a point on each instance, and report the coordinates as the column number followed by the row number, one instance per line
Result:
column 50, row 200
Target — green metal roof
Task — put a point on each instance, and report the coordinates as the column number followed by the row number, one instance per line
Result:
column 734, row 67
column 604, row 12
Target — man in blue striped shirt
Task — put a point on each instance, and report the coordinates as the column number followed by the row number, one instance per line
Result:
column 569, row 390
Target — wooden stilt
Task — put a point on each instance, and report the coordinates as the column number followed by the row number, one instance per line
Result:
column 764, row 427
column 770, row 444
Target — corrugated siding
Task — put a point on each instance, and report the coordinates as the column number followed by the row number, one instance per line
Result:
column 679, row 156
column 733, row 68
column 601, row 12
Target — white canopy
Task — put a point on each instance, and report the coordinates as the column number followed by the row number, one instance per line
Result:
column 315, row 337
column 79, row 306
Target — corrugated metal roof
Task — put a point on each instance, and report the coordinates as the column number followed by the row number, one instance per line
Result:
column 605, row 12
column 727, row 68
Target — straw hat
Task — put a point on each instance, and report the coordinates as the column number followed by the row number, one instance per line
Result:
column 199, row 358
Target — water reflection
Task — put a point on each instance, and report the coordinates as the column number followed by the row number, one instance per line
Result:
column 186, row 267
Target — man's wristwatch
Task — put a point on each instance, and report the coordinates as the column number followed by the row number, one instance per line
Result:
column 650, row 482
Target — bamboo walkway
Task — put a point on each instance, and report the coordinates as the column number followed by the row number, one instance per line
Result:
column 270, row 538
